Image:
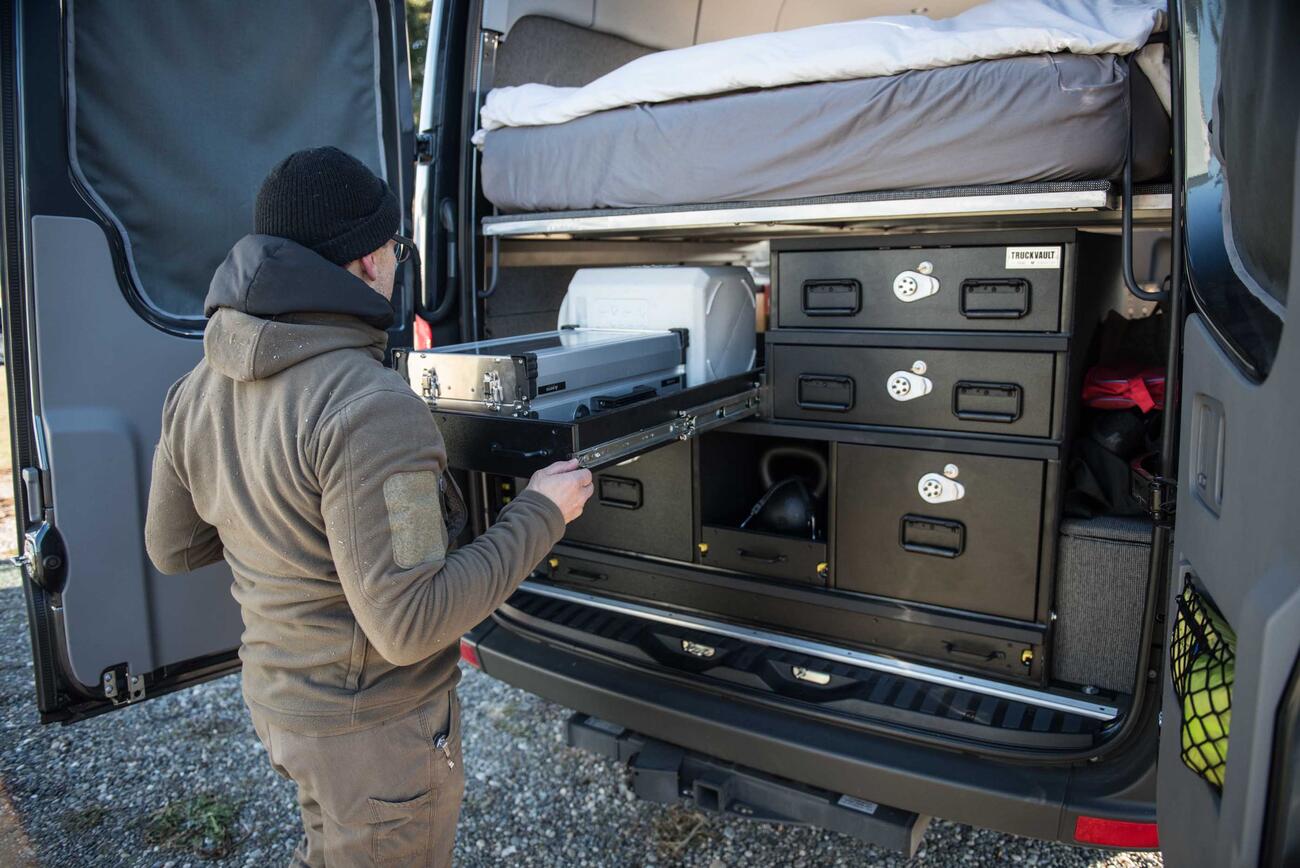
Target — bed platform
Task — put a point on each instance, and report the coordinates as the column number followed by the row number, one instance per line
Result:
column 1021, row 135
column 1076, row 202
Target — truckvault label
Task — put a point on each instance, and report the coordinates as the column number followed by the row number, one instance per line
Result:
column 1033, row 257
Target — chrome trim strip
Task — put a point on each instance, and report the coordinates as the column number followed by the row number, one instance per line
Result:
column 942, row 206
column 866, row 660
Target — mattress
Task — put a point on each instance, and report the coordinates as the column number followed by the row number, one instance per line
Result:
column 1029, row 119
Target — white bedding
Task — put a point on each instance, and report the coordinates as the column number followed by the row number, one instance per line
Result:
column 835, row 52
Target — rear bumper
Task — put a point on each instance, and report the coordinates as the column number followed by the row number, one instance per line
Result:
column 1022, row 799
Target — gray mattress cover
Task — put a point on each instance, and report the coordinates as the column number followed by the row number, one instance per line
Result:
column 1054, row 117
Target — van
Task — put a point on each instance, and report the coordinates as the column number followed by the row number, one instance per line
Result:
column 994, row 529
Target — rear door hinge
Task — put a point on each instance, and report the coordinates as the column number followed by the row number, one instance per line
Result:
column 122, row 686
column 424, row 146
column 1158, row 494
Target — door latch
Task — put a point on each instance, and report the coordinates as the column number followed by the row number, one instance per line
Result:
column 122, row 686
column 44, row 558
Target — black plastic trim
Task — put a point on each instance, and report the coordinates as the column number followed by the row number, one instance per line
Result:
column 1281, row 839
column 1031, row 798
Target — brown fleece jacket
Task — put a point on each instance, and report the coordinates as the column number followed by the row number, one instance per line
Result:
column 314, row 471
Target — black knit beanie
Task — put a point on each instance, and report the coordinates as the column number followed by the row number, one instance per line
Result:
column 327, row 201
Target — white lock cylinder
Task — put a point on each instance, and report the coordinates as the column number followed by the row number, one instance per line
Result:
column 912, row 286
column 937, row 488
column 908, row 385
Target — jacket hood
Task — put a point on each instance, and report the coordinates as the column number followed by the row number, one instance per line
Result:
column 269, row 277
column 244, row 347
column 274, row 303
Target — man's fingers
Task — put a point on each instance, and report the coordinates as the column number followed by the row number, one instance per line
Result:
column 559, row 467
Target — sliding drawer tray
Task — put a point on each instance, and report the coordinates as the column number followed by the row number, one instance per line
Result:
column 498, row 442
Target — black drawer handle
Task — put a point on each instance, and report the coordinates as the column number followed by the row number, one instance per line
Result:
column 619, row 492
column 831, row 392
column 498, row 449
column 762, row 559
column 940, row 537
column 832, row 297
column 973, row 656
column 586, row 575
column 995, row 298
column 987, row 402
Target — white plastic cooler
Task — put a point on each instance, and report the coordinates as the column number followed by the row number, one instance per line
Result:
column 714, row 304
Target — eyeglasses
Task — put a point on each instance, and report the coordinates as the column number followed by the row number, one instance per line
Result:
column 403, row 248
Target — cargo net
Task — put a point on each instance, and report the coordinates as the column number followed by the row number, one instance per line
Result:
column 1202, row 660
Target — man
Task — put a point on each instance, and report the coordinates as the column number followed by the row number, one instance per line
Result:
column 316, row 472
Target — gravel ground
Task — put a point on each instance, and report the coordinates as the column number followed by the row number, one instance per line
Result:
column 182, row 780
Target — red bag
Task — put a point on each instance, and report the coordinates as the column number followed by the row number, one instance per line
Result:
column 1121, row 388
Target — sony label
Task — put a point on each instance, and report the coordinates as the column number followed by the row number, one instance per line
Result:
column 1033, row 257
column 551, row 387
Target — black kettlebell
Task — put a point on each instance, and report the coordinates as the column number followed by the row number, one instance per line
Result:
column 790, row 505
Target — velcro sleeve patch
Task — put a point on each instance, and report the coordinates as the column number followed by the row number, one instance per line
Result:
column 415, row 518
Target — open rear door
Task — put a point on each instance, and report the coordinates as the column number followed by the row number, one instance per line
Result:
column 135, row 136
column 1229, row 755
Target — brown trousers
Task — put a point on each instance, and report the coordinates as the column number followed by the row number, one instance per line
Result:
column 387, row 795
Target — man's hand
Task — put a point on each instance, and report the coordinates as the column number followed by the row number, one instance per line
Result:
column 567, row 486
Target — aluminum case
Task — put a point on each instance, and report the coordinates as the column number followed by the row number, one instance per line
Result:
column 560, row 375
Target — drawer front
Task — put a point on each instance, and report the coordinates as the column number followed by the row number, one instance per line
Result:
column 764, row 554
column 964, row 288
column 905, row 530
column 643, row 506
column 954, row 390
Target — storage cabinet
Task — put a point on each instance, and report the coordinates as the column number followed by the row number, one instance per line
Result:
column 764, row 505
column 643, row 505
column 764, row 554
column 1009, row 282
column 945, row 528
column 917, row 387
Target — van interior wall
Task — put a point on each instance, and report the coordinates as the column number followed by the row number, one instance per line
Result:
column 525, row 300
column 549, row 51
column 554, row 52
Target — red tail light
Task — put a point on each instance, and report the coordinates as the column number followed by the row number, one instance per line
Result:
column 423, row 334
column 469, row 654
column 1116, row 833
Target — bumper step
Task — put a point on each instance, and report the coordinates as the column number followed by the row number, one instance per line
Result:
column 663, row 773
column 847, row 692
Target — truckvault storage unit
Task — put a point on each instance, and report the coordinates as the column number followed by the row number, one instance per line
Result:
column 923, row 460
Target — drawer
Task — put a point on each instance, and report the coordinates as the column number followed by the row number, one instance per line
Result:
column 508, row 443
column 990, row 287
column 904, row 529
column 642, row 506
column 764, row 554
column 993, row 392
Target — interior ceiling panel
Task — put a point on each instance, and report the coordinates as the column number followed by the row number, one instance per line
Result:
column 677, row 23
